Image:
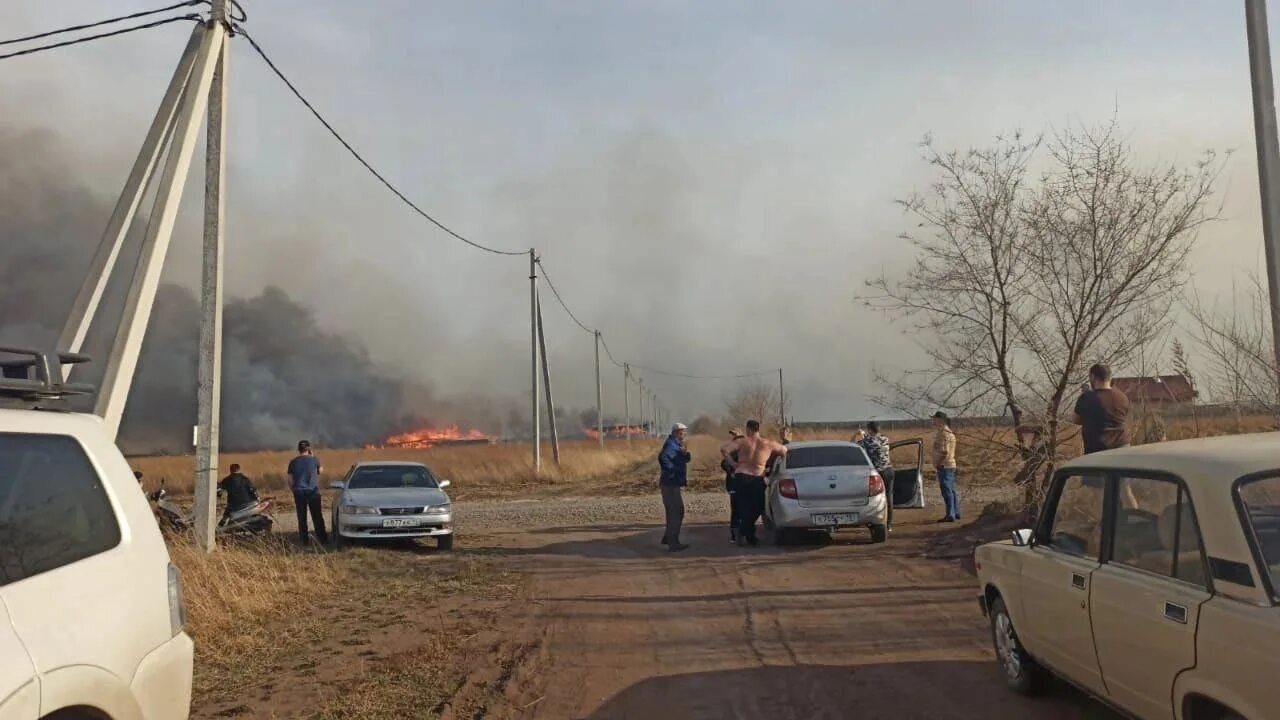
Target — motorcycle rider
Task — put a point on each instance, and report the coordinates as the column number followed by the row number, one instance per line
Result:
column 239, row 489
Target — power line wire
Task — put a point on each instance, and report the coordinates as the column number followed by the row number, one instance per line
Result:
column 703, row 377
column 99, row 36
column 100, row 23
column 609, row 354
column 360, row 159
column 547, row 276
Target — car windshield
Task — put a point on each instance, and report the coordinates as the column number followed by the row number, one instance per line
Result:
column 390, row 476
column 825, row 456
column 1261, row 499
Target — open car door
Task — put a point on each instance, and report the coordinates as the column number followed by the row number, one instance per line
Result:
column 908, row 478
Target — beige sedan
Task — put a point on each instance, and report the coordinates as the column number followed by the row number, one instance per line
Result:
column 1151, row 581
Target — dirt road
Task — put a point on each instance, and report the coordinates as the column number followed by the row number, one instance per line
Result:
column 618, row 628
column 568, row 608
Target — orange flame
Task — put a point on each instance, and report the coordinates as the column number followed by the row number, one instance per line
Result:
column 427, row 437
column 615, row 431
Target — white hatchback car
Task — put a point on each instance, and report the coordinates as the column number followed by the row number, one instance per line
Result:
column 825, row 485
column 91, row 615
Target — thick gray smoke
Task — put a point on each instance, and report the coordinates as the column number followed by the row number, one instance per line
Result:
column 285, row 377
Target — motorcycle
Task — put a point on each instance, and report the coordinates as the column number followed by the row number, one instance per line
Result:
column 253, row 519
column 171, row 517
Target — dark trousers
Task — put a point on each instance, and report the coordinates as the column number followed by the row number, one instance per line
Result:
column 750, row 492
column 309, row 500
column 887, row 474
column 731, row 486
column 673, row 507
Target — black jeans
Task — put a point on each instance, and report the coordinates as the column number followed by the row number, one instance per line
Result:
column 887, row 474
column 310, row 500
column 731, row 487
column 750, row 493
column 673, row 508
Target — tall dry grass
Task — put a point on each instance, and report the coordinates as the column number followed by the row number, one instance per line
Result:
column 477, row 471
column 234, row 594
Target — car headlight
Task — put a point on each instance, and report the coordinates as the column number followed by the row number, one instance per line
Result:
column 439, row 509
column 358, row 510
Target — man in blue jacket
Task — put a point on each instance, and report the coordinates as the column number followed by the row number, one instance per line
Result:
column 674, row 461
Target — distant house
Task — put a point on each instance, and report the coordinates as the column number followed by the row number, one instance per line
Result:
column 1157, row 390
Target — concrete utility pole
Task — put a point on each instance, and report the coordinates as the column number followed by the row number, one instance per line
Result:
column 123, row 358
column 782, row 402
column 599, row 396
column 533, row 359
column 71, row 339
column 546, row 381
column 626, row 400
column 644, row 419
column 209, row 371
column 1264, row 130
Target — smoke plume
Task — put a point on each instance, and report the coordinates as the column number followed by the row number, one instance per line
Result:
column 285, row 377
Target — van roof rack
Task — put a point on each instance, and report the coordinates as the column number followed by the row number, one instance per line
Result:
column 37, row 375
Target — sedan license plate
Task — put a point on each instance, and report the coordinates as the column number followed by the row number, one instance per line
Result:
column 400, row 522
column 833, row 519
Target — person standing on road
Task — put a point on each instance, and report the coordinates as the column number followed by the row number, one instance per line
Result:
column 877, row 449
column 673, row 459
column 944, row 462
column 753, row 452
column 731, row 487
column 304, row 481
column 1101, row 412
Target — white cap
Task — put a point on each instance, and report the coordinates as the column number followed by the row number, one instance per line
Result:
column 679, row 426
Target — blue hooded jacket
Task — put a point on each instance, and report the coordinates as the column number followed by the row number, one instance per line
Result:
column 674, row 462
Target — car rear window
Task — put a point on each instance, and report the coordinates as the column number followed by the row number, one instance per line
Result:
column 390, row 476
column 53, row 508
column 1261, row 499
column 825, row 456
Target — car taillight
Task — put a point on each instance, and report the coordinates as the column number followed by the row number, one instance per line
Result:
column 787, row 489
column 875, row 484
column 177, row 611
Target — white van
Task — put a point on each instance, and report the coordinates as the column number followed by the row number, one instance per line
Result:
column 91, row 615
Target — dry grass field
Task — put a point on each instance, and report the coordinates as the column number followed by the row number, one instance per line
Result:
column 476, row 471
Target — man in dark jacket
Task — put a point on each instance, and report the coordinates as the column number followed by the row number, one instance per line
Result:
column 239, row 489
column 674, row 461
column 731, row 487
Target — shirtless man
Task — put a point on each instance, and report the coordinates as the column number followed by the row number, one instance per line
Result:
column 753, row 452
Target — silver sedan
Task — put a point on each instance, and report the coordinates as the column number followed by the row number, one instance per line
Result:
column 825, row 485
column 392, row 500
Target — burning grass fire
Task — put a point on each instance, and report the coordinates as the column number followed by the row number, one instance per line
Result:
column 429, row 437
column 617, row 431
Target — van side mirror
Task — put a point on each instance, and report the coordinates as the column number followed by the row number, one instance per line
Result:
column 337, row 485
column 444, row 484
column 1023, row 537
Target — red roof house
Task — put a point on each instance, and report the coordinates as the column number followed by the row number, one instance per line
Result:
column 1158, row 390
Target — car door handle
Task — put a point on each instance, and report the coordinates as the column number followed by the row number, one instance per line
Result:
column 1077, row 581
column 1175, row 612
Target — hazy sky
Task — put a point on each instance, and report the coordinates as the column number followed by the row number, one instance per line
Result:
column 708, row 182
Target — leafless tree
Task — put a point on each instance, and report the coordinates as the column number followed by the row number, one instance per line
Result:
column 961, row 295
column 1235, row 343
column 1024, row 283
column 1108, row 242
column 752, row 401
